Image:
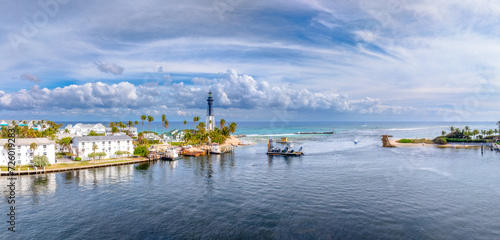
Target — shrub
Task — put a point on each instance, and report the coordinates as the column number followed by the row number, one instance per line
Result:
column 41, row 161
column 441, row 141
column 78, row 159
column 141, row 151
column 404, row 140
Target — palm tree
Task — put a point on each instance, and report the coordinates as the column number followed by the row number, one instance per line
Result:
column 195, row 120
column 94, row 147
column 232, row 127
column 475, row 132
column 143, row 118
column 111, row 124
column 187, row 137
column 452, row 129
column 498, row 123
column 201, row 126
column 185, row 122
column 163, row 118
column 166, row 123
column 467, row 128
column 130, row 124
column 150, row 119
column 6, row 146
column 443, row 133
column 222, row 123
column 33, row 147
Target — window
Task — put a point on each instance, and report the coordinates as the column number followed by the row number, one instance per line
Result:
column 19, row 154
column 31, row 154
column 109, row 148
column 44, row 146
column 45, row 153
column 103, row 142
column 83, row 144
column 109, row 142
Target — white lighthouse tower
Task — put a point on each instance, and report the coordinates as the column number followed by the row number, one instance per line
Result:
column 210, row 124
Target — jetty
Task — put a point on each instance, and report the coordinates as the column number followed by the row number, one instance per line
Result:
column 54, row 170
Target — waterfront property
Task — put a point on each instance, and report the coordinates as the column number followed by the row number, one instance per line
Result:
column 24, row 154
column 34, row 124
column 151, row 136
column 173, row 136
column 122, row 131
column 82, row 146
column 81, row 129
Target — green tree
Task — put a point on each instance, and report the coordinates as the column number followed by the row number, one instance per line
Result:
column 166, row 124
column 33, row 147
column 64, row 143
column 201, row 127
column 475, row 132
column 141, row 151
column 94, row 147
column 114, row 130
column 41, row 161
column 195, row 120
column 150, row 119
column 143, row 118
column 163, row 118
column 443, row 133
column 222, row 123
column 185, row 122
column 232, row 127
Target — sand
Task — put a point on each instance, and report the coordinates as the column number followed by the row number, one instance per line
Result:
column 449, row 145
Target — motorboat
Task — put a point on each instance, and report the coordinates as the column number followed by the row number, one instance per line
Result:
column 287, row 151
column 215, row 149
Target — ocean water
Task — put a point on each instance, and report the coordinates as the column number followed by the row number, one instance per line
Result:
column 337, row 190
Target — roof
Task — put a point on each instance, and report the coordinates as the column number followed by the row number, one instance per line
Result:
column 102, row 138
column 28, row 141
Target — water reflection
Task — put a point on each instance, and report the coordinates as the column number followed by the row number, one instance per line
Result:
column 143, row 166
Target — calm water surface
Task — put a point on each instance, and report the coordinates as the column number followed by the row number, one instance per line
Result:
column 337, row 190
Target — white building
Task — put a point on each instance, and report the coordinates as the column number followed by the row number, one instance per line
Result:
column 151, row 136
column 81, row 129
column 35, row 124
column 24, row 155
column 173, row 136
column 132, row 130
column 82, row 146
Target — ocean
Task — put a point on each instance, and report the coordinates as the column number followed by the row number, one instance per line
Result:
column 337, row 190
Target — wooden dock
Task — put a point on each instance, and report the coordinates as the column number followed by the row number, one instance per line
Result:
column 42, row 171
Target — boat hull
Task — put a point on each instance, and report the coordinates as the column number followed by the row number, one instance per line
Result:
column 285, row 153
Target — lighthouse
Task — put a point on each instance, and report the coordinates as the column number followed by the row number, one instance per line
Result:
column 210, row 113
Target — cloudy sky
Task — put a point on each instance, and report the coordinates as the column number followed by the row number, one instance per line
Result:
column 296, row 59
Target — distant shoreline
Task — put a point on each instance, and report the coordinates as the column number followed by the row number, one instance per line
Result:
column 448, row 145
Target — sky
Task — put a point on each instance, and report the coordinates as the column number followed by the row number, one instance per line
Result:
column 296, row 60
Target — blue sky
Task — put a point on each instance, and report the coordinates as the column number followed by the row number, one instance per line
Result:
column 321, row 60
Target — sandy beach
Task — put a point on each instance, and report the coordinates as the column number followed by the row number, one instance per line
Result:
column 449, row 145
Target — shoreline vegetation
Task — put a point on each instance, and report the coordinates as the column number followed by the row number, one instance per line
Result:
column 456, row 138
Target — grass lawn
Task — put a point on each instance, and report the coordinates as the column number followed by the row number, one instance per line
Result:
column 76, row 164
column 419, row 140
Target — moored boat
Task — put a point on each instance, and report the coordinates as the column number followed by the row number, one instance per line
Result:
column 287, row 151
